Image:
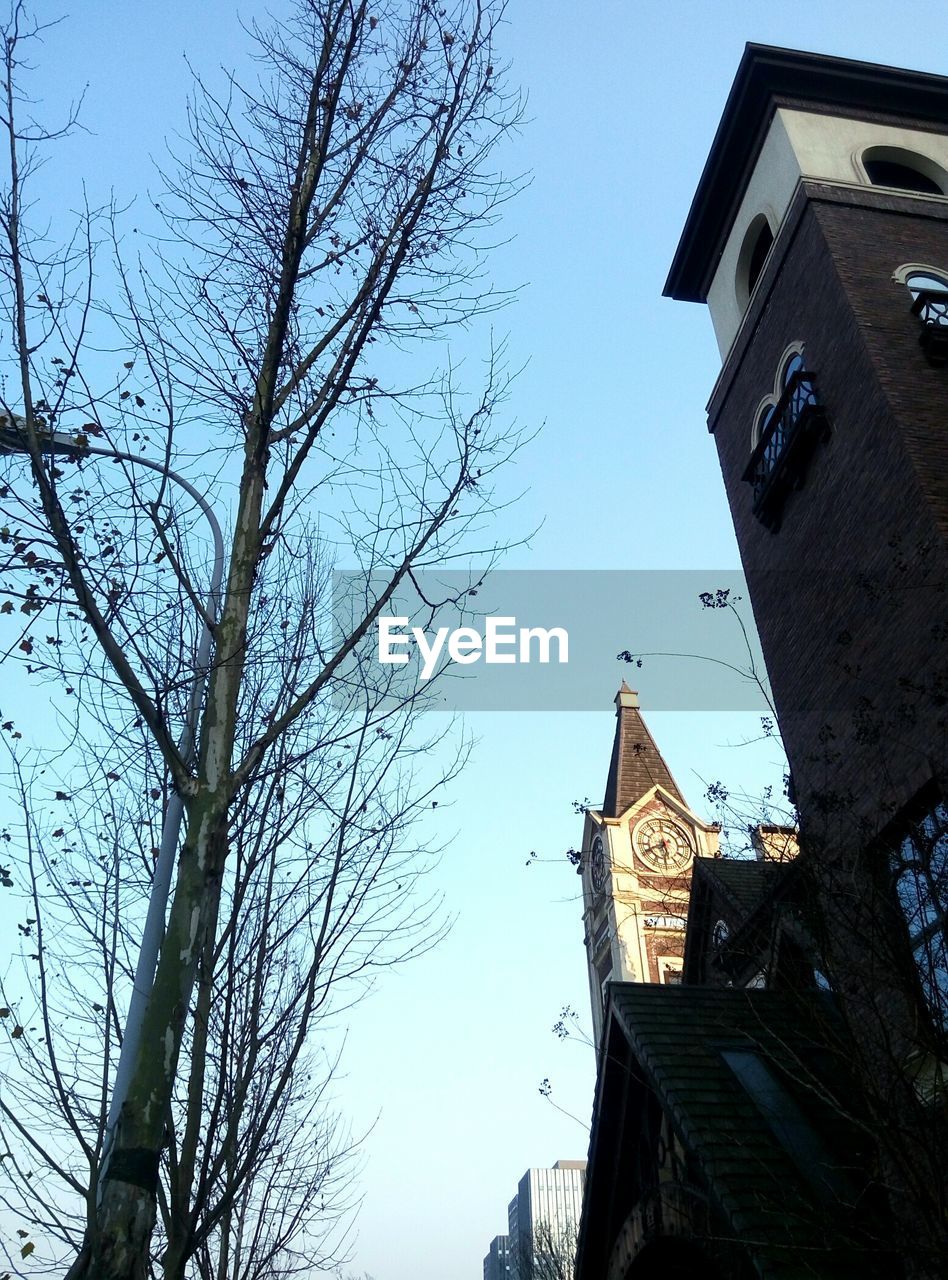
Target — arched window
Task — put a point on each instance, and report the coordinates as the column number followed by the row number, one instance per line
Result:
column 904, row 170
column 750, row 261
column 765, row 238
column 787, row 425
column 929, row 289
column 793, row 363
column 926, row 281
column 762, row 421
column 790, row 363
column 920, row 873
column 890, row 173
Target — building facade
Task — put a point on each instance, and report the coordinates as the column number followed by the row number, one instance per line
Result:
column 497, row 1259
column 818, row 238
column 638, row 851
column 783, row 1111
column 543, row 1221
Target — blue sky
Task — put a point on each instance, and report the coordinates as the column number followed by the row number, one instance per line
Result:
column 623, row 100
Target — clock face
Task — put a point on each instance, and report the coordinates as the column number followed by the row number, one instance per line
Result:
column 597, row 864
column 662, row 844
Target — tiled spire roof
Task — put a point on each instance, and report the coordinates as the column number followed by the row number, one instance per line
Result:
column 637, row 763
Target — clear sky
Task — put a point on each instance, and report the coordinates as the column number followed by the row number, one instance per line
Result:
column 624, row 97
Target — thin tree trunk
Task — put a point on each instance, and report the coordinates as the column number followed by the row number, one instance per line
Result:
column 127, row 1208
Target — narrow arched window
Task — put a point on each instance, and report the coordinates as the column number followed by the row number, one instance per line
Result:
column 788, row 424
column 750, row 261
column 762, row 422
column 758, row 257
column 792, row 364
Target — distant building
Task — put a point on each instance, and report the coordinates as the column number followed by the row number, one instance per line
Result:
column 637, row 852
column 543, row 1222
column 497, row 1259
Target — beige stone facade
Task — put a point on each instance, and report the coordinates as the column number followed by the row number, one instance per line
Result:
column 637, row 855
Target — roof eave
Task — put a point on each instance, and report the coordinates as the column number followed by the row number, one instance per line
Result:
column 765, row 76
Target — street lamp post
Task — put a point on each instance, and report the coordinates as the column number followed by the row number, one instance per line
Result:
column 13, row 440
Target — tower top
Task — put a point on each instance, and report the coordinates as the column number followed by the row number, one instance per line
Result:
column 637, row 764
column 766, row 79
column 626, row 697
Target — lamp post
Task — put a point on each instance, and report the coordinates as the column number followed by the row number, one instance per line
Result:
column 13, row 440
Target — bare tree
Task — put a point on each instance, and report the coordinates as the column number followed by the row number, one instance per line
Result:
column 256, row 1171
column 549, row 1255
column 323, row 229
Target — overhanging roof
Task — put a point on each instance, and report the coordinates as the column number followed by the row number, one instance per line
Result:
column 767, row 78
column 797, row 1210
column 744, row 882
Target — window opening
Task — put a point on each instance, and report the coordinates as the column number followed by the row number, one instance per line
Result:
column 925, row 282
column 785, row 434
column 929, row 290
column 921, row 883
column 893, row 173
column 759, row 256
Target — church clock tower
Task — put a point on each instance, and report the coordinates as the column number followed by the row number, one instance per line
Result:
column 638, row 850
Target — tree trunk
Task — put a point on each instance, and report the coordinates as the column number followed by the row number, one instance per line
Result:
column 127, row 1208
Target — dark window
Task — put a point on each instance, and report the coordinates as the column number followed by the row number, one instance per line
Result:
column 892, row 173
column 786, row 435
column 929, row 290
column 921, row 882
column 758, row 256
column 792, row 366
column 604, row 972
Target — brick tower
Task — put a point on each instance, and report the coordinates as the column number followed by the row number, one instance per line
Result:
column 818, row 237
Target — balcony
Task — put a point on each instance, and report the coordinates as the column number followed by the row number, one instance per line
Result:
column 779, row 462
column 931, row 307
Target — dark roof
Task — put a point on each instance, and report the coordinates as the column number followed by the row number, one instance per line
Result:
column 748, row 887
column 637, row 764
column 743, row 882
column 766, row 79
column 790, row 1195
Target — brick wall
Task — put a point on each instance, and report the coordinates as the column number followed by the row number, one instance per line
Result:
column 849, row 594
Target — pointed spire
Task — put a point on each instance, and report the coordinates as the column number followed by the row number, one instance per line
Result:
column 637, row 764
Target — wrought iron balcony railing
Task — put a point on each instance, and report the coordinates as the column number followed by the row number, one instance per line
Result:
column 931, row 307
column 779, row 462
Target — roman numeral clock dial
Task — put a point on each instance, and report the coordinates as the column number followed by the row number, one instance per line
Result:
column 597, row 863
column 663, row 845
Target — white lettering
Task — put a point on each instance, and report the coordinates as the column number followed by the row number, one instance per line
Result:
column 501, row 643
column 388, row 637
column 429, row 652
column 496, row 637
column 544, row 636
column 465, row 645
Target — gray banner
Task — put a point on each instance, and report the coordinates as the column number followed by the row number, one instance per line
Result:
column 559, row 641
